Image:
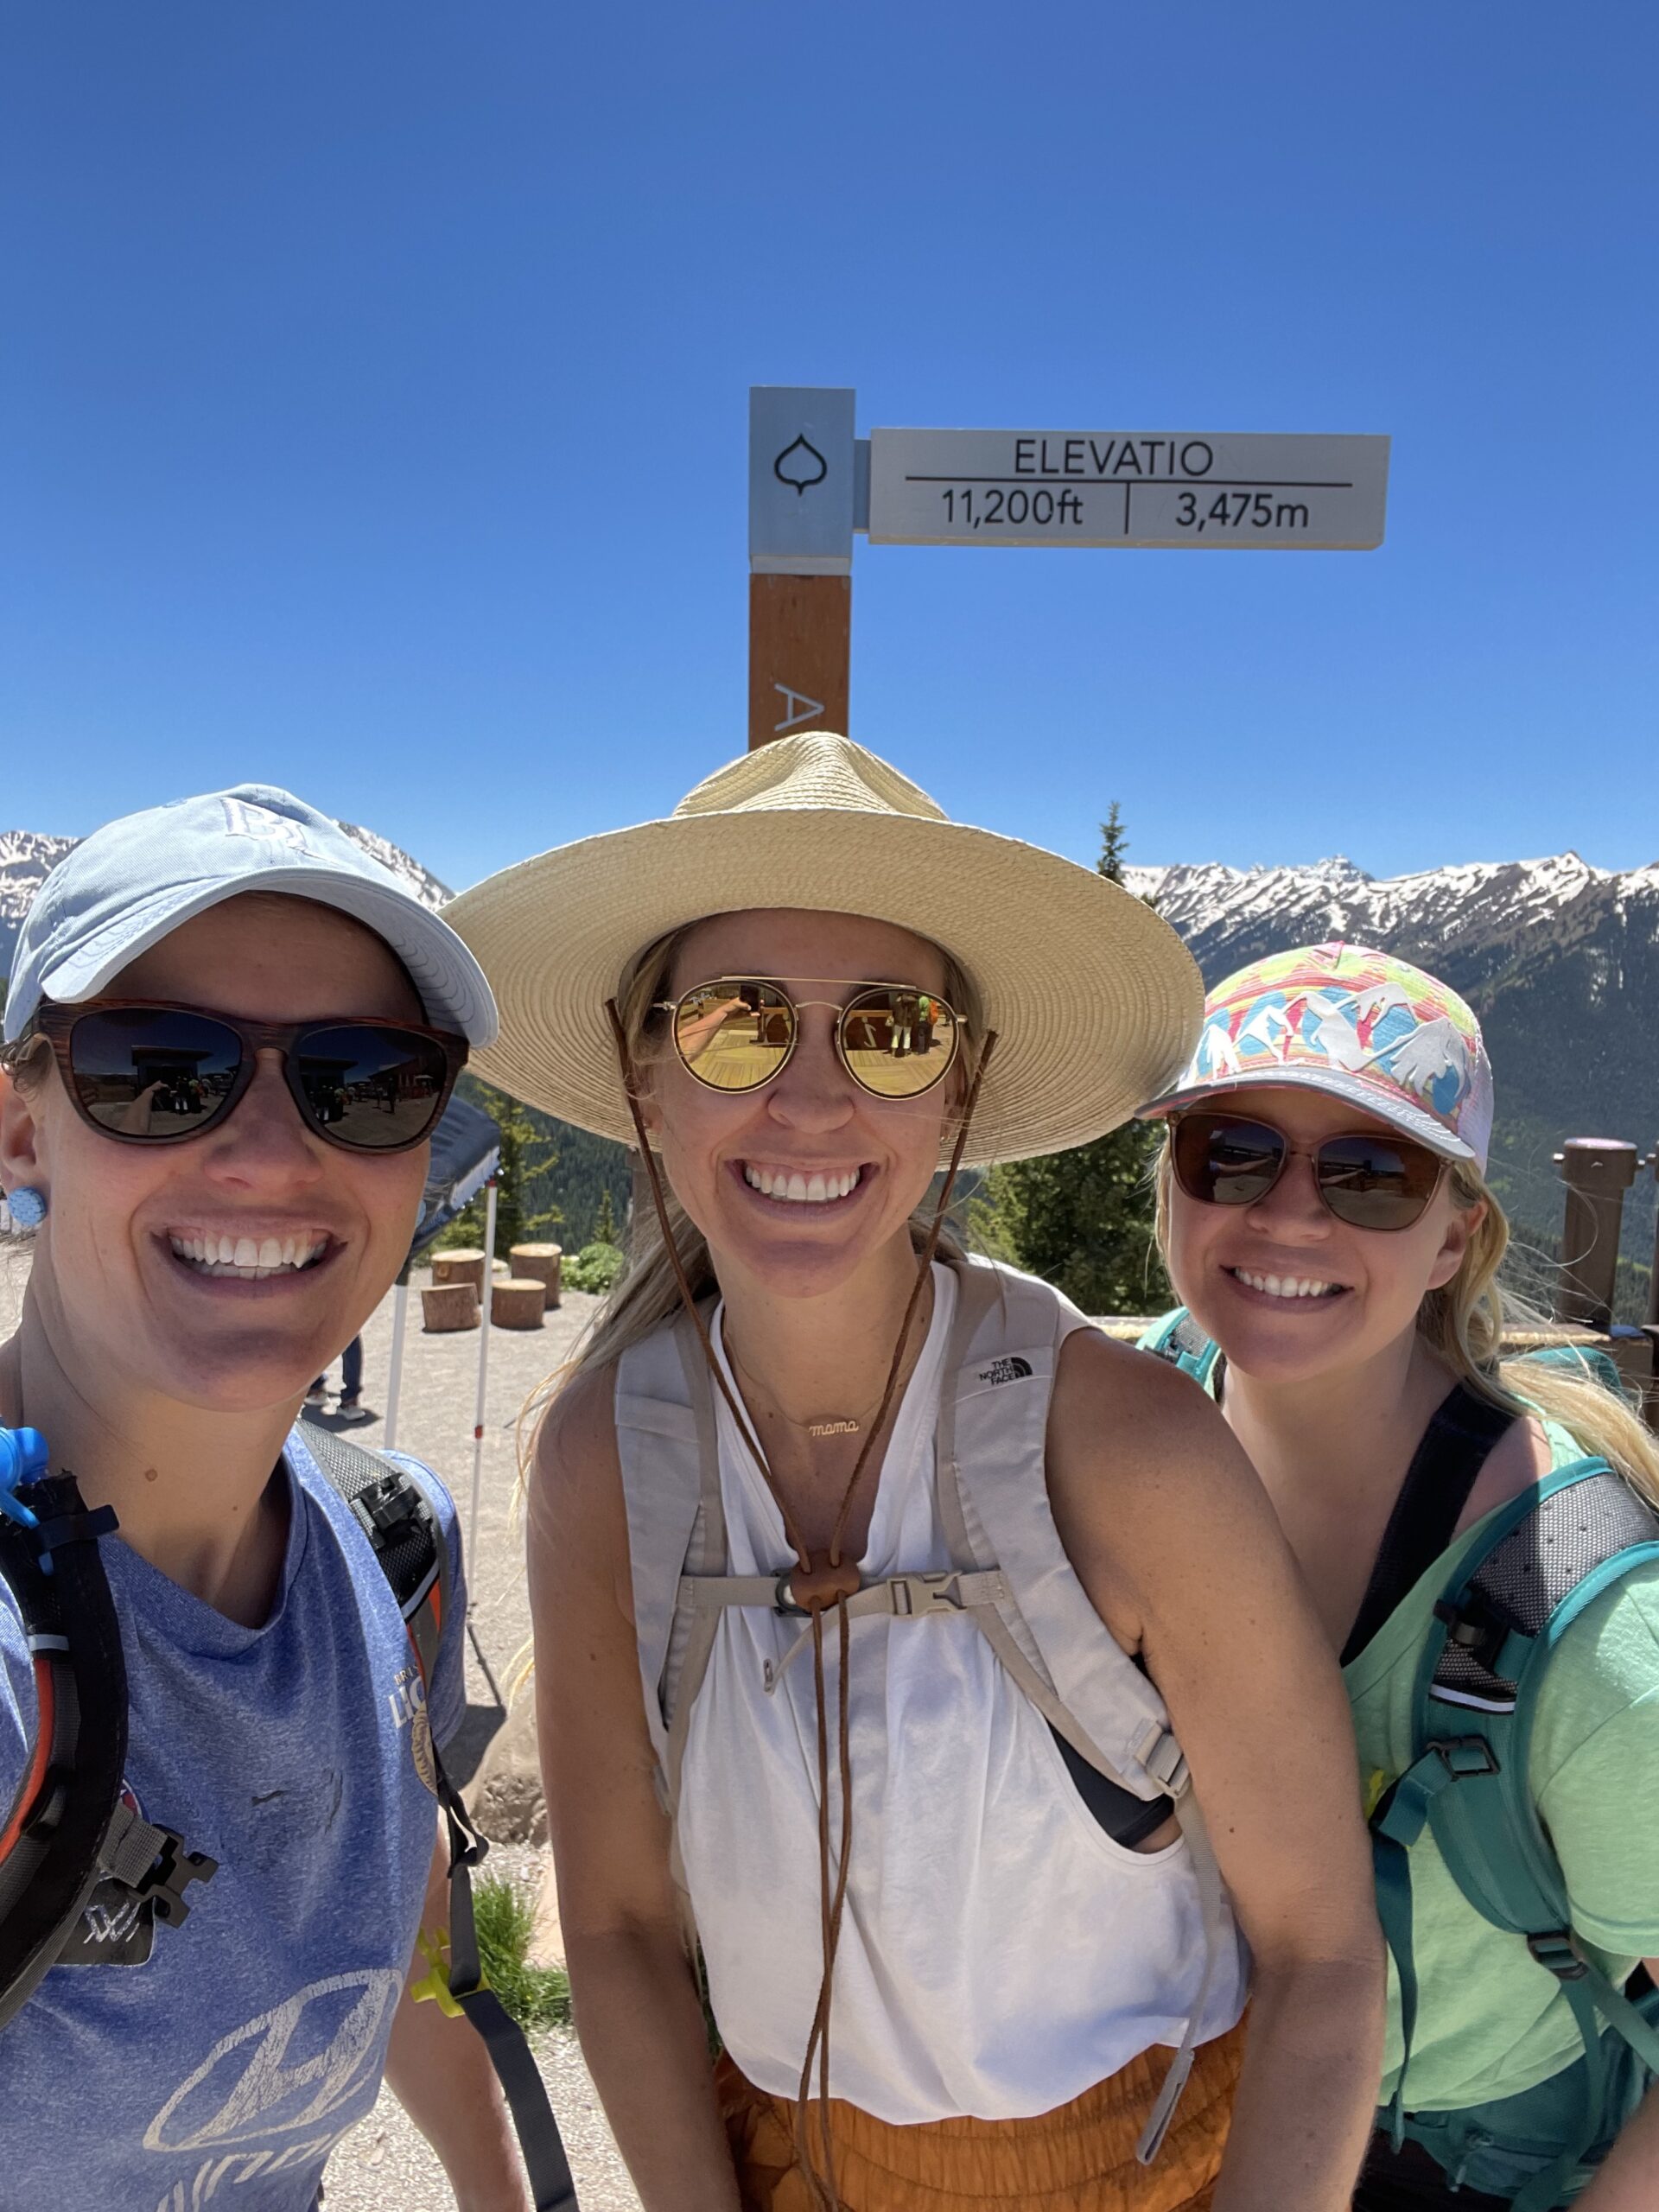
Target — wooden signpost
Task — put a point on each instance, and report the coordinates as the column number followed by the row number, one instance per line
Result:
column 814, row 483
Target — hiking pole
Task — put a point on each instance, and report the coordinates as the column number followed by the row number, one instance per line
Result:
column 488, row 1300
column 394, row 1388
column 477, row 1654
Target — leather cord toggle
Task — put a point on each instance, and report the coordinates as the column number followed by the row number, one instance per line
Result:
column 815, row 1588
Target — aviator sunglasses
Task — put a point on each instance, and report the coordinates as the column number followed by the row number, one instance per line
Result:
column 736, row 1032
column 146, row 1071
column 1370, row 1181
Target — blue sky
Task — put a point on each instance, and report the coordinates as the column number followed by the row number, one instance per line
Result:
column 373, row 392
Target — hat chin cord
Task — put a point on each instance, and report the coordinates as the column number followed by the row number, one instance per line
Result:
column 818, row 1582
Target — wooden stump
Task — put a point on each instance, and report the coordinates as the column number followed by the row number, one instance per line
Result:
column 518, row 1303
column 541, row 1261
column 451, row 1306
column 459, row 1266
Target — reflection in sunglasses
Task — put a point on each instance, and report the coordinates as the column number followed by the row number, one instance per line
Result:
column 738, row 1033
column 144, row 1071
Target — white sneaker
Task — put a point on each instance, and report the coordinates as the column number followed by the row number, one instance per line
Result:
column 353, row 1409
column 316, row 1396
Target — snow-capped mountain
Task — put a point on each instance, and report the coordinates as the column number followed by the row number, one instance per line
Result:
column 1560, row 960
column 1490, row 906
column 27, row 856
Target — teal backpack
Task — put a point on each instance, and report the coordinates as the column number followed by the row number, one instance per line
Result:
column 1546, row 1556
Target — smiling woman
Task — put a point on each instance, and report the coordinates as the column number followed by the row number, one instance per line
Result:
column 867, row 1579
column 219, row 1077
column 1481, row 1538
column 209, row 1265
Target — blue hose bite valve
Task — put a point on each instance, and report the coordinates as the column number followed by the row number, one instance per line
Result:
column 22, row 1459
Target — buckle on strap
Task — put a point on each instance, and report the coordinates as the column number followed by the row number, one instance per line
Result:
column 1557, row 1950
column 1162, row 1757
column 912, row 1596
column 151, row 1862
column 386, row 1505
column 901, row 1596
column 1466, row 1758
column 782, row 1602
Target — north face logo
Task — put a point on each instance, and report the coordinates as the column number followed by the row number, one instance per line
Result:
column 1005, row 1370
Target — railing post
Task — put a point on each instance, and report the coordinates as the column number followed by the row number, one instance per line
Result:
column 1598, row 1171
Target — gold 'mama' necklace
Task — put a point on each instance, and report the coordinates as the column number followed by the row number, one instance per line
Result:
column 827, row 1425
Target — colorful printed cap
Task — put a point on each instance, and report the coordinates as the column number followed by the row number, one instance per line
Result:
column 1358, row 1024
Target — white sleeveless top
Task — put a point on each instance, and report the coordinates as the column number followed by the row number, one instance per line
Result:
column 998, row 1953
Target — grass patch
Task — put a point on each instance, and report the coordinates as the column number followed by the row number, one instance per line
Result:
column 537, row 1997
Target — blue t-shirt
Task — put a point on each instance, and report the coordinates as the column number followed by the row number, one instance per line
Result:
column 223, row 2062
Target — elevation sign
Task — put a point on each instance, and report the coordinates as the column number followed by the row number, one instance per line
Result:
column 1189, row 488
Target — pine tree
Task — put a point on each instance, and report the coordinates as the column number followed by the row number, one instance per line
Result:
column 1084, row 1219
column 605, row 1221
column 525, row 1157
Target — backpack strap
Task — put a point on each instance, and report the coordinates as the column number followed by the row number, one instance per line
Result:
column 1584, row 1362
column 1443, row 1472
column 664, row 1415
column 68, row 1827
column 1549, row 1554
column 397, row 1512
column 994, row 1499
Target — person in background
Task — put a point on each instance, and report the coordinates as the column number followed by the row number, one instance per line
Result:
column 351, row 1408
column 1325, row 1218
column 227, row 1037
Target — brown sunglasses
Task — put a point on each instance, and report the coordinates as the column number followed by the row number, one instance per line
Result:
column 149, row 1071
column 1371, row 1180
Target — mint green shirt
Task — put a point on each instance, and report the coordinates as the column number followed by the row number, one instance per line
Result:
column 1491, row 2021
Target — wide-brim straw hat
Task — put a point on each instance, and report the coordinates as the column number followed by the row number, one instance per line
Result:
column 1095, row 1002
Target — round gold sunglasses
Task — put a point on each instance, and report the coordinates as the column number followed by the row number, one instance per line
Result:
column 735, row 1033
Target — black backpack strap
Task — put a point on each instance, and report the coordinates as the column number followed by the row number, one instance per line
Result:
column 1443, row 1471
column 396, row 1514
column 68, row 1828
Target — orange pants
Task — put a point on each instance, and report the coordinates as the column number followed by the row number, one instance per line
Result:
column 1080, row 2158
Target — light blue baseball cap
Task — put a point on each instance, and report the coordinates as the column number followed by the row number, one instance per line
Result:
column 127, row 885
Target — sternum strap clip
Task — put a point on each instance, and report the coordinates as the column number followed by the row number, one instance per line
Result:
column 152, row 1862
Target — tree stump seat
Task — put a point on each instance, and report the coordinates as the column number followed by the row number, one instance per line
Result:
column 461, row 1265
column 519, row 1303
column 451, row 1306
column 542, row 1262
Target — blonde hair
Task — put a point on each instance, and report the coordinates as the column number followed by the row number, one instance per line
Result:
column 647, row 1295
column 1464, row 1322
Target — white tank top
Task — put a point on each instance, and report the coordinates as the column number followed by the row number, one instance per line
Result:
column 998, row 1953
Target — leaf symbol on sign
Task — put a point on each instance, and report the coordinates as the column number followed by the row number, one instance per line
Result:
column 810, row 469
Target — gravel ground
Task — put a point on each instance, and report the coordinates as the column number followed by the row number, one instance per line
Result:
column 384, row 2162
